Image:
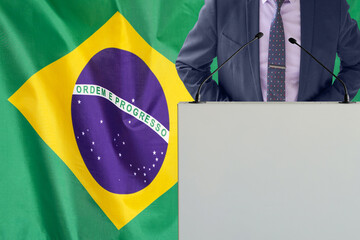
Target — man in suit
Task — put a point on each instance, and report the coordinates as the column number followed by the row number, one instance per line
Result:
column 272, row 69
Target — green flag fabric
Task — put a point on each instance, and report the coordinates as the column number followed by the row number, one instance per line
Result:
column 42, row 196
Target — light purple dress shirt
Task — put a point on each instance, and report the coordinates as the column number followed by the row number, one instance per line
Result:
column 290, row 12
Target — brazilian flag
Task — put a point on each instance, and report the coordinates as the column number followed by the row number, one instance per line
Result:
column 88, row 102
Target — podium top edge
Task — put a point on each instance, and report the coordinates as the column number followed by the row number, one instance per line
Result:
column 263, row 103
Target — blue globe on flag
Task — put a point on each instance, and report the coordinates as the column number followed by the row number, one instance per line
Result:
column 121, row 121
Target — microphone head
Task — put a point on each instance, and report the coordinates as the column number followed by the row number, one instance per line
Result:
column 292, row 40
column 259, row 35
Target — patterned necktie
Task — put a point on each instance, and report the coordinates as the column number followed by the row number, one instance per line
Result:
column 276, row 61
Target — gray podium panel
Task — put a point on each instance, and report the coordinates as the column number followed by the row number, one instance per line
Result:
column 274, row 171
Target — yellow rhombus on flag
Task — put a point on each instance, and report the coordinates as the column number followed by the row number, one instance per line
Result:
column 123, row 172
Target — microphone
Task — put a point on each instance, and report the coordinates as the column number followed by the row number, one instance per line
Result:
column 197, row 96
column 346, row 96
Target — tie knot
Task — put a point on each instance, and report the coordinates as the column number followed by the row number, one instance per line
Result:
column 279, row 3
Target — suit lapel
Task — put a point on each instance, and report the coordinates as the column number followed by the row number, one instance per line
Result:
column 252, row 18
column 307, row 31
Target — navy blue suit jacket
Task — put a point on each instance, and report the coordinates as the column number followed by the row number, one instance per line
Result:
column 224, row 25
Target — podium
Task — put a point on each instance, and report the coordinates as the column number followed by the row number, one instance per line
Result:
column 269, row 171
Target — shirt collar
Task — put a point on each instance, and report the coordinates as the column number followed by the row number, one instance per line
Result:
column 291, row 1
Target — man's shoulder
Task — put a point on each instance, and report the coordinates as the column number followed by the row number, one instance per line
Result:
column 227, row 2
column 226, row 6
